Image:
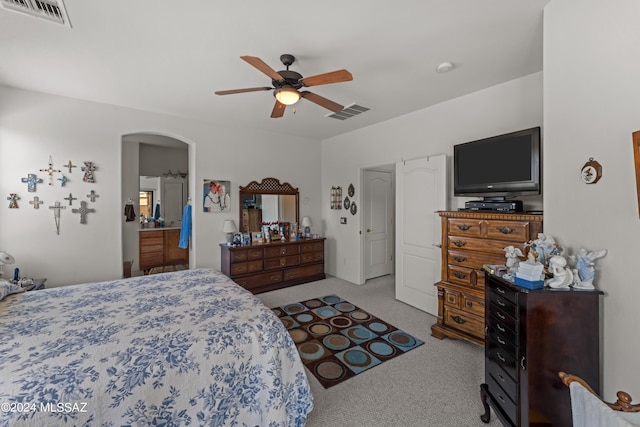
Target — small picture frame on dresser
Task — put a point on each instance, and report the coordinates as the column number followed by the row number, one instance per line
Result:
column 246, row 238
column 257, row 237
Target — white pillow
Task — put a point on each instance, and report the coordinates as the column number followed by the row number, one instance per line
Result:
column 8, row 288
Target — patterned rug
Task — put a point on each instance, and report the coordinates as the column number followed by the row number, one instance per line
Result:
column 337, row 340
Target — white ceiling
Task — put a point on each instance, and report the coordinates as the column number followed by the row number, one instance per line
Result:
column 170, row 56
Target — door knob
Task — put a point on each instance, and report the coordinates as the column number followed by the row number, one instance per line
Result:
column 369, row 230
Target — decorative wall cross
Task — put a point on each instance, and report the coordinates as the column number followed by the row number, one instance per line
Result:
column 88, row 169
column 83, row 211
column 70, row 165
column 92, row 195
column 31, row 181
column 50, row 170
column 35, row 202
column 70, row 199
column 13, row 200
column 56, row 214
column 63, row 180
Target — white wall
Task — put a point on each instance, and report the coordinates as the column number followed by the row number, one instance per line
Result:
column 592, row 70
column 508, row 107
column 34, row 126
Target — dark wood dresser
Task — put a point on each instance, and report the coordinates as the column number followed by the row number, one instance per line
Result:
column 531, row 335
column 262, row 267
column 470, row 240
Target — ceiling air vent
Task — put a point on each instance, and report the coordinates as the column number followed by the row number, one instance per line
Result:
column 348, row 112
column 51, row 10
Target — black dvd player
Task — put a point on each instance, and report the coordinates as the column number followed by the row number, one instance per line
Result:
column 495, row 206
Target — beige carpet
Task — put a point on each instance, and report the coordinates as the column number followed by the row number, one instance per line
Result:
column 436, row 384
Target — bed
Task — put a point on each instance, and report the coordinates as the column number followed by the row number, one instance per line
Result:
column 181, row 348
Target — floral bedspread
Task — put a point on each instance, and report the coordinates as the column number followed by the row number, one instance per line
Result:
column 182, row 348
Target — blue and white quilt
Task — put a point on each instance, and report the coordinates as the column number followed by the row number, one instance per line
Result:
column 172, row 349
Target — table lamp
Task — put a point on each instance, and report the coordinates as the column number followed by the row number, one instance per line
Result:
column 5, row 258
column 306, row 223
column 229, row 227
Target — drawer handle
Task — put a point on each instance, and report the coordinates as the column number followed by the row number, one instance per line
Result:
column 500, row 303
column 506, row 230
column 469, row 304
column 501, row 377
column 459, row 258
column 500, row 315
column 459, row 275
column 500, row 357
column 522, row 364
column 458, row 320
column 275, row 278
column 500, row 341
column 464, row 227
column 452, row 299
column 501, row 329
column 500, row 290
column 459, row 243
column 501, row 398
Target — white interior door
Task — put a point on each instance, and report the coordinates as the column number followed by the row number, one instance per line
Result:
column 420, row 192
column 378, row 223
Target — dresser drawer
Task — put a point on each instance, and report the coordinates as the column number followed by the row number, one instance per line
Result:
column 501, row 342
column 503, row 291
column 283, row 261
column 246, row 267
column 465, row 227
column 517, row 231
column 503, row 304
column 461, row 275
column 482, row 245
column 148, row 235
column 503, row 399
column 309, row 257
column 148, row 260
column 473, row 260
column 312, row 247
column 463, row 321
column 506, row 326
column 472, row 305
column 300, row 272
column 277, row 251
column 246, row 255
column 258, row 280
column 452, row 298
column 502, row 358
column 149, row 248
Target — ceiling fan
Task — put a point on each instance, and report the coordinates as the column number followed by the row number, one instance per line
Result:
column 286, row 85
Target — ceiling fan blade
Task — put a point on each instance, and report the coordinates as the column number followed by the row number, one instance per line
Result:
column 321, row 101
column 326, row 78
column 262, row 66
column 278, row 110
column 249, row 89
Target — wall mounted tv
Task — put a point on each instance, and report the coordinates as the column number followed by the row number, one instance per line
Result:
column 502, row 166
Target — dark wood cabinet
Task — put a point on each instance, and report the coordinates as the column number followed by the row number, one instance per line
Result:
column 470, row 240
column 531, row 335
column 263, row 267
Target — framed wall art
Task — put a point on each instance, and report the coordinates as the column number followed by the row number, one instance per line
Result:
column 215, row 196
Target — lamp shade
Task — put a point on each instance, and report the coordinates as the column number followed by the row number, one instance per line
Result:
column 306, row 221
column 229, row 226
column 287, row 95
column 5, row 258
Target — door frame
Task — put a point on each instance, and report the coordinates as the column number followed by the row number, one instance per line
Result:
column 385, row 167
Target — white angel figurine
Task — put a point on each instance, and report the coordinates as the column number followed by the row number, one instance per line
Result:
column 512, row 253
column 584, row 267
column 562, row 275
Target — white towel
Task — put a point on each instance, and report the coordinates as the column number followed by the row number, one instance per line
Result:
column 589, row 411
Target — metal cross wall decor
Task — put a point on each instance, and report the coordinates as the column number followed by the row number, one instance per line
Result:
column 56, row 214
column 83, row 211
column 31, row 181
column 50, row 170
column 35, row 202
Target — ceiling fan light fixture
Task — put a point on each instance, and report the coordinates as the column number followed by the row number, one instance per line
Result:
column 287, row 95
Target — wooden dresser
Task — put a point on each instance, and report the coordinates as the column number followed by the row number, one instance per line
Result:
column 262, row 267
column 531, row 336
column 470, row 240
column 159, row 248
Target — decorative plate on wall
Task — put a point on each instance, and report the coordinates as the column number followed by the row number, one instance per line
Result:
column 351, row 190
column 354, row 208
column 591, row 172
column 347, row 202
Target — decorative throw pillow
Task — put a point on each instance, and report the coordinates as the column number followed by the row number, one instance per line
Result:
column 8, row 288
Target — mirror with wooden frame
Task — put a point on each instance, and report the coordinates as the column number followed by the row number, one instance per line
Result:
column 267, row 201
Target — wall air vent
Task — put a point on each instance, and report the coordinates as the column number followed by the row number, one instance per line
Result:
column 51, row 10
column 348, row 112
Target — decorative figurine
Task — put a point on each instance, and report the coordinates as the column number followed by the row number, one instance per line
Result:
column 562, row 275
column 585, row 271
column 13, row 200
column 31, row 181
column 542, row 249
column 512, row 253
column 88, row 169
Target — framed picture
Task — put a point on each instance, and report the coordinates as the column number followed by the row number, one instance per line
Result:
column 246, row 238
column 257, row 237
column 215, row 195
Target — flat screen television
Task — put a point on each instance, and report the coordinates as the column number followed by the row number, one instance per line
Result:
column 502, row 166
